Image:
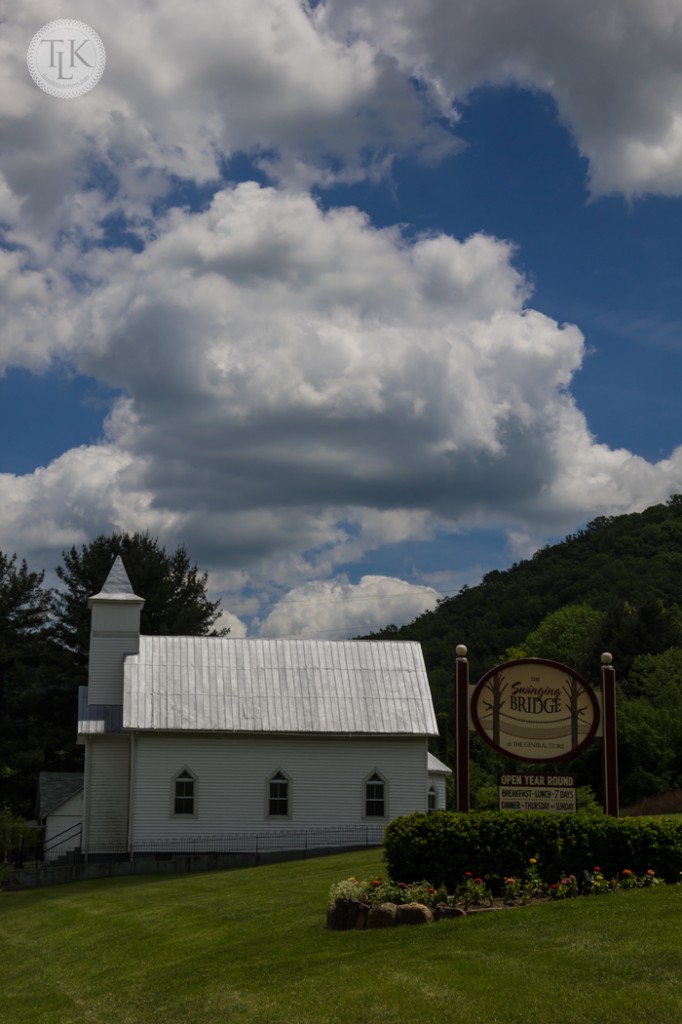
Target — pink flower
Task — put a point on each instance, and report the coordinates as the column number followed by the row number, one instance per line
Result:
column 478, row 881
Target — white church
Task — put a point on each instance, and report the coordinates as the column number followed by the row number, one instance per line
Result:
column 192, row 740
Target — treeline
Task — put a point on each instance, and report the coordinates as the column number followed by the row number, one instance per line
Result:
column 44, row 641
column 614, row 586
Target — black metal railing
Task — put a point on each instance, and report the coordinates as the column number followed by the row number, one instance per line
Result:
column 251, row 842
column 63, row 843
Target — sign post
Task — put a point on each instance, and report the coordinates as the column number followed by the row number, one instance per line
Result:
column 462, row 730
column 610, row 745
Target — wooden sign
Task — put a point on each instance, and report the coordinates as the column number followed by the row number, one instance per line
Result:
column 535, row 710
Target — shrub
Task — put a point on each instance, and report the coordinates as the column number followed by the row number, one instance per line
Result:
column 444, row 845
column 15, row 833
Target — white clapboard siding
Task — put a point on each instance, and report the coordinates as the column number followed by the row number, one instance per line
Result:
column 438, row 784
column 107, row 792
column 327, row 781
column 107, row 654
column 115, row 615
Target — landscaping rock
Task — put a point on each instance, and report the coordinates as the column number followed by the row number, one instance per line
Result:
column 361, row 921
column 414, row 913
column 345, row 914
column 382, row 915
column 443, row 912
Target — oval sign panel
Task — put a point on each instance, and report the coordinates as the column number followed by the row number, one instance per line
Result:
column 535, row 710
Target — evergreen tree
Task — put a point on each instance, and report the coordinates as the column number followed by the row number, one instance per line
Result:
column 174, row 591
column 44, row 642
column 27, row 671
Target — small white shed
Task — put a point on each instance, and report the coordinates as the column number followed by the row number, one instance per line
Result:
column 60, row 811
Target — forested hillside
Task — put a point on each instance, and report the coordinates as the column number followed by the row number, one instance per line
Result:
column 614, row 586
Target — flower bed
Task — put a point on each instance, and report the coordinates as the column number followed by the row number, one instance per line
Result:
column 380, row 903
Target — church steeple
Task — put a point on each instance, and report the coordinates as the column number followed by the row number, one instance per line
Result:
column 114, row 632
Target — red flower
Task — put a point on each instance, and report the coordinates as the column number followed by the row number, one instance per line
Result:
column 430, row 889
column 598, row 870
column 650, row 872
column 554, row 886
column 467, row 874
column 478, row 881
column 376, row 882
column 401, row 885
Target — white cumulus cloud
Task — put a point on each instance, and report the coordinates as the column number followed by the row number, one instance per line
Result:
column 614, row 68
column 337, row 608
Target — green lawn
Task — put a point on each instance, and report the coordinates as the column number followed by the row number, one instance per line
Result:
column 250, row 946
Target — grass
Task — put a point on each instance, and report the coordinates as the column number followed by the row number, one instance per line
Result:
column 251, row 946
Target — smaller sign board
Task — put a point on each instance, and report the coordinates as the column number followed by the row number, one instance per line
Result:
column 537, row 791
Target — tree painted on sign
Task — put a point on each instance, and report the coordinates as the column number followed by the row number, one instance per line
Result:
column 495, row 688
column 573, row 693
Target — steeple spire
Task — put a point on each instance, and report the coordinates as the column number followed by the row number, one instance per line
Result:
column 117, row 586
column 114, row 633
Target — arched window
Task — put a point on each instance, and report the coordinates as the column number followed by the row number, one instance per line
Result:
column 279, row 795
column 184, row 793
column 376, row 796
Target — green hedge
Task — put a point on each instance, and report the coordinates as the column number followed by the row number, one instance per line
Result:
column 442, row 846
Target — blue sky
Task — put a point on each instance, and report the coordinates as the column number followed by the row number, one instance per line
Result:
column 358, row 302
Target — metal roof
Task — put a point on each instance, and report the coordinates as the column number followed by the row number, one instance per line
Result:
column 436, row 767
column 55, row 788
column 117, row 586
column 96, row 719
column 285, row 686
